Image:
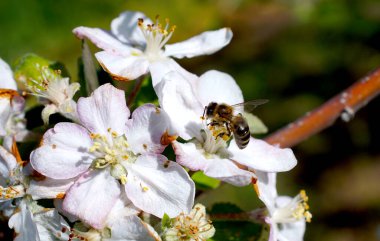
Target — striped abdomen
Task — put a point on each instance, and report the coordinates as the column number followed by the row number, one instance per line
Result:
column 241, row 131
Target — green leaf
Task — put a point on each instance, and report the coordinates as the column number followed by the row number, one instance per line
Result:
column 166, row 222
column 256, row 126
column 219, row 208
column 204, row 182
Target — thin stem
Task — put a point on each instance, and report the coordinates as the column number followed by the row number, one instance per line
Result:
column 343, row 105
column 135, row 90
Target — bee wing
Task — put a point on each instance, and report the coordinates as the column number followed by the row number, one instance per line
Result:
column 248, row 106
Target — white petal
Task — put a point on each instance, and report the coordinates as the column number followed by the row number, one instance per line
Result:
column 292, row 231
column 158, row 186
column 105, row 109
column 92, row 197
column 125, row 28
column 64, row 153
column 132, row 228
column 188, row 155
column 179, row 101
column 227, row 171
column 6, row 77
column 103, row 40
column 145, row 129
column 206, row 43
column 49, row 188
column 224, row 88
column 266, row 183
column 51, row 226
column 23, row 224
column 7, row 163
column 123, row 67
column 158, row 70
column 262, row 156
column 47, row 111
column 5, row 113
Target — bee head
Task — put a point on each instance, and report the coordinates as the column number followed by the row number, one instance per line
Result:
column 210, row 109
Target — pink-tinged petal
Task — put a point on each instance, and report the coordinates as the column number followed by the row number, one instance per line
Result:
column 49, row 188
column 104, row 110
column 262, row 156
column 188, row 155
column 132, row 228
column 58, row 205
column 51, row 226
column 266, row 182
column 145, row 129
column 92, row 197
column 125, row 28
column 206, row 43
column 123, row 67
column 103, row 40
column 23, row 224
column 273, row 231
column 6, row 77
column 64, row 153
column 158, row 186
column 224, row 88
column 227, row 171
column 158, row 70
column 179, row 101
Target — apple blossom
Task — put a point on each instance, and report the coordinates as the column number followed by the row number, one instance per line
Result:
column 205, row 150
column 109, row 153
column 135, row 45
column 190, row 227
column 286, row 216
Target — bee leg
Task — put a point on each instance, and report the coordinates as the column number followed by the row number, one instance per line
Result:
column 204, row 112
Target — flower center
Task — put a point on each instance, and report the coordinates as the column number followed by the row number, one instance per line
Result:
column 194, row 226
column 156, row 37
column 294, row 211
column 11, row 192
column 112, row 150
column 214, row 140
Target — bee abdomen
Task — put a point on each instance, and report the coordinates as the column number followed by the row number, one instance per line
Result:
column 241, row 132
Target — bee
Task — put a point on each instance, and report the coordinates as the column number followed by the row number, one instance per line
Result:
column 227, row 120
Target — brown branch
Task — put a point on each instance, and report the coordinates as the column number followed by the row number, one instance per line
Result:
column 343, row 105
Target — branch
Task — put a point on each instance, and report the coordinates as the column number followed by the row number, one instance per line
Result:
column 343, row 105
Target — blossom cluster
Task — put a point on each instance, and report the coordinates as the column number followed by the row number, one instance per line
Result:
column 105, row 170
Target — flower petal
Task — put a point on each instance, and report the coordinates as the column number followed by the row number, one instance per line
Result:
column 105, row 109
column 7, row 164
column 224, row 88
column 102, row 39
column 206, row 43
column 132, row 228
column 125, row 28
column 227, row 171
column 5, row 113
column 6, row 77
column 178, row 100
column 123, row 67
column 188, row 155
column 145, row 129
column 92, row 197
column 64, row 153
column 51, row 226
column 49, row 188
column 158, row 70
column 266, row 183
column 23, row 224
column 262, row 156
column 158, row 186
column 292, row 231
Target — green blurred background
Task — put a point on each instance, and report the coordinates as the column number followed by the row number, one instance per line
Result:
column 297, row 53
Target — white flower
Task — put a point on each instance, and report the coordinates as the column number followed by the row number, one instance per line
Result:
column 136, row 45
column 287, row 216
column 185, row 100
column 190, row 227
column 109, row 153
column 12, row 122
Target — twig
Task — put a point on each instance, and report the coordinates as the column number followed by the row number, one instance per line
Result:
column 135, row 91
column 343, row 105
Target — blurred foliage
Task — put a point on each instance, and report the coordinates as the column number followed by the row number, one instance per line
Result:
column 297, row 53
